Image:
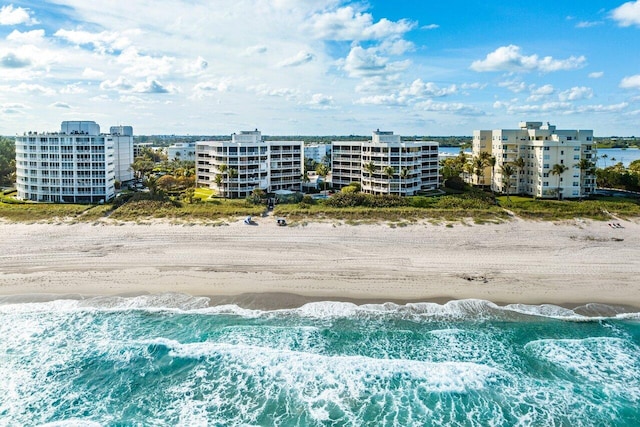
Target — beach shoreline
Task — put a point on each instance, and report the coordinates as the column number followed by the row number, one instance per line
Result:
column 568, row 264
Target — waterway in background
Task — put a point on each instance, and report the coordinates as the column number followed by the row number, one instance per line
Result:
column 173, row 360
column 614, row 155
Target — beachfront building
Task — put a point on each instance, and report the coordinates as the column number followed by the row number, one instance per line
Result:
column 122, row 138
column 236, row 167
column 185, row 151
column 547, row 162
column 386, row 164
column 75, row 165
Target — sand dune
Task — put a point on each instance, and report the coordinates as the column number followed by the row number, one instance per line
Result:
column 519, row 261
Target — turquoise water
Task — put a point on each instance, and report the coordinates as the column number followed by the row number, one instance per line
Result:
column 173, row 360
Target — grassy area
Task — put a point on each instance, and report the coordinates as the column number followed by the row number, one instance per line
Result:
column 567, row 209
column 203, row 193
column 32, row 212
column 211, row 210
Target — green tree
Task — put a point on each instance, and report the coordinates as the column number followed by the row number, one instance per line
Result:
column 519, row 164
column 223, row 168
column 558, row 169
column 389, row 172
column 478, row 169
column 507, row 170
column 219, row 179
column 491, row 161
column 323, row 170
column 404, row 174
column 7, row 161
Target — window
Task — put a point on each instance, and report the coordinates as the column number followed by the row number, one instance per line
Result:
column 547, row 148
column 545, row 184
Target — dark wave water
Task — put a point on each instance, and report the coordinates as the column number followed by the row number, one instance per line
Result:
column 173, row 360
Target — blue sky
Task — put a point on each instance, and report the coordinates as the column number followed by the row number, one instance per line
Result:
column 320, row 66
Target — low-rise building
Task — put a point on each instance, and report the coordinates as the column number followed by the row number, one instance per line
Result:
column 236, row 167
column 386, row 164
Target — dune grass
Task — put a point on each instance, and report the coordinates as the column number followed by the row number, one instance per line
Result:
column 601, row 210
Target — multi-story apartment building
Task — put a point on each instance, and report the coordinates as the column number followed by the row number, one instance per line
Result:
column 185, row 151
column 386, row 164
column 317, row 152
column 540, row 147
column 122, row 137
column 75, row 165
column 236, row 167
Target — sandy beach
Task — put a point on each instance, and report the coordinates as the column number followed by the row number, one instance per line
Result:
column 568, row 263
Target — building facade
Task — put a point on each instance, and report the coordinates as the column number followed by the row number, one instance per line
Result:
column 122, row 138
column 386, row 164
column 317, row 152
column 75, row 165
column 236, row 167
column 185, row 151
column 548, row 162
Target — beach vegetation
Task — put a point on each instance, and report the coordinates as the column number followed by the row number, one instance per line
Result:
column 7, row 162
column 597, row 209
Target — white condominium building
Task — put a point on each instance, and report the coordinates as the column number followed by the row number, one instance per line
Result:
column 386, row 164
column 236, row 167
column 185, row 151
column 541, row 148
column 122, row 137
column 75, row 165
column 317, row 152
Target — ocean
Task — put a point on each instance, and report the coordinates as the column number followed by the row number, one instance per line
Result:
column 174, row 360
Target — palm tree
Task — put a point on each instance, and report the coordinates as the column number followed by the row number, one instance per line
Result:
column 604, row 157
column 232, row 174
column 507, row 171
column 323, row 170
column 491, row 161
column 558, row 169
column 478, row 169
column 218, row 180
column 371, row 169
column 223, row 168
column 586, row 166
column 389, row 172
column 404, row 174
column 519, row 164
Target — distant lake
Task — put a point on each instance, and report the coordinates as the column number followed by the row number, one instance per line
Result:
column 625, row 156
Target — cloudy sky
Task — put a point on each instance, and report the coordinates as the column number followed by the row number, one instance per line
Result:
column 320, row 66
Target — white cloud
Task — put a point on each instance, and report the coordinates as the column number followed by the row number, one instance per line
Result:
column 596, row 74
column 514, row 86
column 103, row 42
column 449, row 107
column 11, row 60
column 428, row 90
column 347, row 24
column 321, row 101
column 90, row 73
column 509, row 58
column 137, row 65
column 430, row 27
column 300, row 58
column 631, row 82
column 628, row 14
column 207, row 88
column 27, row 37
column 196, row 67
column 10, row 15
column 539, row 93
column 73, row 89
column 60, row 105
column 29, row 88
column 255, row 50
column 152, row 86
column 366, row 63
column 120, row 84
column 588, row 24
column 576, row 93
